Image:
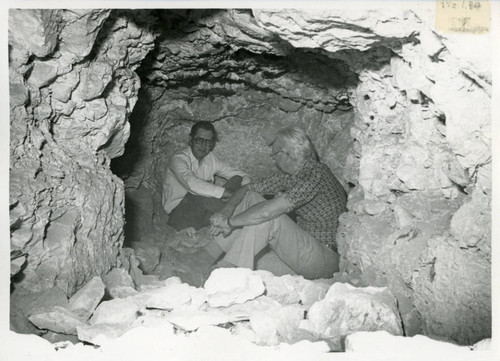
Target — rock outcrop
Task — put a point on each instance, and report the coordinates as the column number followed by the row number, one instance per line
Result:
column 73, row 86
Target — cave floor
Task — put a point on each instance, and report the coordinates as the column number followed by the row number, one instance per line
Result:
column 165, row 253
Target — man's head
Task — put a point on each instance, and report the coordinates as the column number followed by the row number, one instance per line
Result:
column 290, row 148
column 202, row 139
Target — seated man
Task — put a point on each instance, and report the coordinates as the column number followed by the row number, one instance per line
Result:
column 190, row 196
column 248, row 222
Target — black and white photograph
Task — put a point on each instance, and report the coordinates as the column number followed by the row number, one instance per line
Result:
column 249, row 180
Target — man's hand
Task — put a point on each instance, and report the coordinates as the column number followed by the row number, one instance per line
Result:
column 216, row 230
column 219, row 225
column 226, row 195
column 218, row 218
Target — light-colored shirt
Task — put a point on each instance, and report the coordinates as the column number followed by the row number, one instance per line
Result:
column 186, row 174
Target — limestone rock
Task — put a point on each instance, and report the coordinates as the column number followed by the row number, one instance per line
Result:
column 312, row 291
column 313, row 29
column 470, row 224
column 60, row 339
column 63, row 86
column 85, row 215
column 59, row 320
column 191, row 320
column 100, row 333
column 118, row 311
column 148, row 255
column 274, row 326
column 118, row 277
column 43, row 73
column 388, row 246
column 24, row 303
column 153, row 318
column 130, row 263
column 226, row 286
column 84, row 302
column 36, row 30
column 176, row 296
column 18, row 94
column 244, row 310
column 445, row 268
column 347, row 309
column 281, row 289
column 79, row 35
column 264, row 325
column 93, row 80
column 119, row 284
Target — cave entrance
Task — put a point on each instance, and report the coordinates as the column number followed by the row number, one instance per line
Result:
column 248, row 92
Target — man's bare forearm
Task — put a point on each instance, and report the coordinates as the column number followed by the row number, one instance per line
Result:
column 261, row 212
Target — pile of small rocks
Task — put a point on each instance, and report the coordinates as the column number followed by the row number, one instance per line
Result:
column 255, row 305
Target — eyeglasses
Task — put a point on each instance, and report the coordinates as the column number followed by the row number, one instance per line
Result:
column 202, row 141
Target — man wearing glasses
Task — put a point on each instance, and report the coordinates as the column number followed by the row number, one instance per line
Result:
column 248, row 222
column 190, row 196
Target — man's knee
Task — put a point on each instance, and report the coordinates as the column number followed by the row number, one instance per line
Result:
column 234, row 183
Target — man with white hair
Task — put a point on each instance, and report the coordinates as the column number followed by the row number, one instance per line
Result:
column 248, row 222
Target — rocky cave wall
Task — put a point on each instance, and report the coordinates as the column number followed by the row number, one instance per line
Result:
column 72, row 89
column 414, row 149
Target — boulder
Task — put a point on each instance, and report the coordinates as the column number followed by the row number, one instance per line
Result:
column 84, row 302
column 148, row 255
column 119, row 284
column 274, row 326
column 59, row 320
column 226, row 286
column 118, row 311
column 24, row 303
column 101, row 333
column 191, row 320
column 281, row 289
column 347, row 309
column 176, row 296
column 312, row 291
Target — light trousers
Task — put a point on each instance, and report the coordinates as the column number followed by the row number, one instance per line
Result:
column 294, row 246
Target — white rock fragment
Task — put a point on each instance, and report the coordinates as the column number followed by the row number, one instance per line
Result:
column 117, row 311
column 176, row 296
column 312, row 291
column 347, row 309
column 100, row 333
column 59, row 320
column 281, row 289
column 274, row 326
column 84, row 302
column 227, row 286
column 190, row 320
column 119, row 283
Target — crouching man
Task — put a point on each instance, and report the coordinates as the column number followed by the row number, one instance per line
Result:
column 190, row 195
column 247, row 223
